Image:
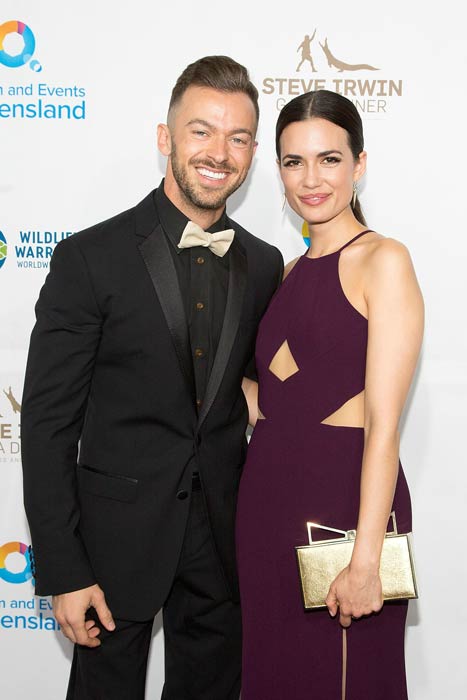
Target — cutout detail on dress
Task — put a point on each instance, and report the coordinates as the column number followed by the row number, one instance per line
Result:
column 283, row 364
column 350, row 415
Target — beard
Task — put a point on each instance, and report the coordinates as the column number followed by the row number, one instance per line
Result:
column 193, row 191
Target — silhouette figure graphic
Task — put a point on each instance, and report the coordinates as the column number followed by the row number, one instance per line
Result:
column 305, row 47
column 14, row 404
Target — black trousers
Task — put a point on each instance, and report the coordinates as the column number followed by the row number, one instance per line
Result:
column 202, row 633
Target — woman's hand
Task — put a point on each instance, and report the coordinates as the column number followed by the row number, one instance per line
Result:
column 355, row 592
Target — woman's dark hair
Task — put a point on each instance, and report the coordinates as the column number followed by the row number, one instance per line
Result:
column 218, row 72
column 324, row 104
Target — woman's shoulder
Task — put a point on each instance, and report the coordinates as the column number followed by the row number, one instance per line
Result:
column 386, row 266
column 387, row 255
column 380, row 253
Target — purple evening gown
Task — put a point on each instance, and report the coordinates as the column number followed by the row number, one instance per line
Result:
column 299, row 469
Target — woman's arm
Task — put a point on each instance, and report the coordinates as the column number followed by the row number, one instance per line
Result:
column 395, row 329
column 250, row 389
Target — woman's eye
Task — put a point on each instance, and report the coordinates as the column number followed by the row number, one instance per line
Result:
column 292, row 163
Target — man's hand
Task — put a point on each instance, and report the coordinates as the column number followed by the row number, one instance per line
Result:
column 70, row 609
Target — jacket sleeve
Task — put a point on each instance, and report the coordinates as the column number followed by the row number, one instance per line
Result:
column 62, row 353
column 280, row 267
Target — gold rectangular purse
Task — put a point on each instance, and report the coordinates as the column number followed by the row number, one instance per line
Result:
column 320, row 562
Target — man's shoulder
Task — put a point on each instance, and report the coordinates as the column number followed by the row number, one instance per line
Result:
column 123, row 223
column 253, row 243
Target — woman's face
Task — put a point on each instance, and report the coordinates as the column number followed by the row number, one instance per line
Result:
column 318, row 170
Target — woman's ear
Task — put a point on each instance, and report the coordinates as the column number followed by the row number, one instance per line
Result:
column 360, row 166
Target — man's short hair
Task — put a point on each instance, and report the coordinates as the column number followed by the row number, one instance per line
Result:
column 217, row 72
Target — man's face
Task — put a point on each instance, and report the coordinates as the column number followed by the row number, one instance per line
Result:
column 210, row 144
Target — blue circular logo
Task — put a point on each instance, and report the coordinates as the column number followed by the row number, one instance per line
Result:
column 16, row 27
column 19, row 576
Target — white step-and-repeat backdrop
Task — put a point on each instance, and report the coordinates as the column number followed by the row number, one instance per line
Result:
column 82, row 88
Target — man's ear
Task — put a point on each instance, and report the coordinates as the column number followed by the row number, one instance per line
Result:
column 164, row 139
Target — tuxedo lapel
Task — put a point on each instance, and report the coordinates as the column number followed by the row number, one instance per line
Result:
column 158, row 259
column 233, row 310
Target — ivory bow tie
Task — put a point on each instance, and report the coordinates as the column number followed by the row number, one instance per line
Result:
column 218, row 242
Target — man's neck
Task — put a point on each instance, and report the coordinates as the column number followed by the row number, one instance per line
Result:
column 203, row 217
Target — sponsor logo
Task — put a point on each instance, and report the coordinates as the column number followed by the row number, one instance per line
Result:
column 321, row 66
column 36, row 99
column 3, row 249
column 13, row 34
column 35, row 248
column 31, row 613
column 32, row 249
column 22, row 552
column 14, row 403
column 10, row 427
column 332, row 61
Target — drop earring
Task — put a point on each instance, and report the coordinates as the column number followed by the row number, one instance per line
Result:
column 354, row 196
column 284, row 201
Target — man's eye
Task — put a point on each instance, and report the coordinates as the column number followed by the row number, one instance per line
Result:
column 199, row 132
column 331, row 160
column 239, row 141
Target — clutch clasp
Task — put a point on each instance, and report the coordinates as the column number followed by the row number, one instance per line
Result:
column 346, row 534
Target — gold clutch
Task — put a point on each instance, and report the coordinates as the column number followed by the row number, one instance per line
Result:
column 320, row 562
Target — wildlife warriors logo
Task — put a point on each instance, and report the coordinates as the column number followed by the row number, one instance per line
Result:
column 332, row 61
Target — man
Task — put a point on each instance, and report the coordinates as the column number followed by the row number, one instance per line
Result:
column 145, row 326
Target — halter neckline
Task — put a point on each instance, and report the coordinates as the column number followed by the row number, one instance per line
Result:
column 362, row 233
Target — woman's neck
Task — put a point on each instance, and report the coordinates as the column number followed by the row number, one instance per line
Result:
column 329, row 236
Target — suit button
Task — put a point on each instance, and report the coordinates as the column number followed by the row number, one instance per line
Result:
column 181, row 495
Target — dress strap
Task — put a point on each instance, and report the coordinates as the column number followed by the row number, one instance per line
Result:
column 368, row 230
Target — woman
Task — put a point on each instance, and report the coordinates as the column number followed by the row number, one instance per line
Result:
column 336, row 353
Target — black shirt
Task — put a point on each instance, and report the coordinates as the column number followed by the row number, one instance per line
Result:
column 204, row 280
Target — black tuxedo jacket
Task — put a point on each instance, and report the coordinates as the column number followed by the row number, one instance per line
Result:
column 110, row 431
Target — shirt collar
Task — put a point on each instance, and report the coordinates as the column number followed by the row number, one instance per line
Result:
column 174, row 221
